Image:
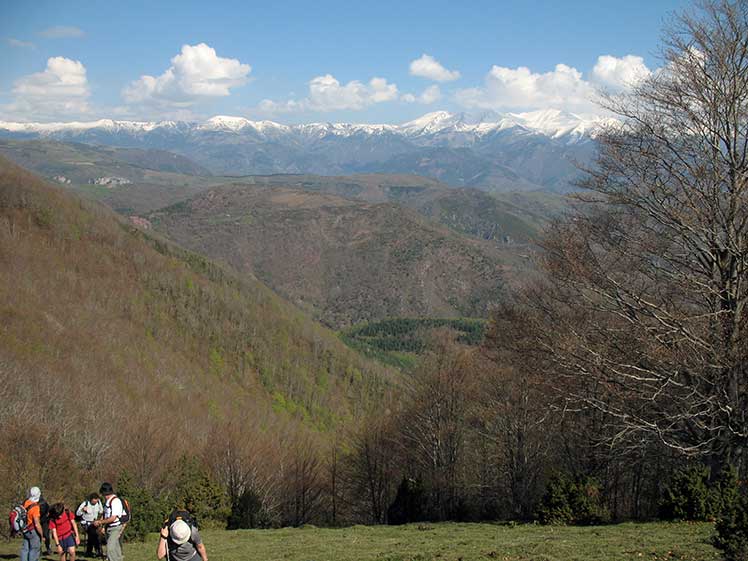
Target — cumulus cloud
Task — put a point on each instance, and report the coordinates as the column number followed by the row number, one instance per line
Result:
column 20, row 44
column 429, row 96
column 619, row 74
column 196, row 73
column 562, row 88
column 430, row 68
column 62, row 32
column 60, row 91
column 326, row 93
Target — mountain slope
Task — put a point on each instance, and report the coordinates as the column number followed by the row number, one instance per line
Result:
column 469, row 211
column 130, row 180
column 109, row 337
column 516, row 217
column 345, row 260
column 83, row 163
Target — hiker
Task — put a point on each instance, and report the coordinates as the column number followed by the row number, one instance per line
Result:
column 113, row 509
column 44, row 517
column 89, row 511
column 180, row 539
column 31, row 548
column 64, row 531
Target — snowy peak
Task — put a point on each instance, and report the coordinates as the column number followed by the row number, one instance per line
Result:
column 224, row 122
column 556, row 123
column 433, row 123
column 548, row 122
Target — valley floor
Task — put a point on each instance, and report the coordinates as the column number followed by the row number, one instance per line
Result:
column 447, row 542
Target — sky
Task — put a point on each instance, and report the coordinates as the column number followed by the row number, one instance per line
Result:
column 339, row 61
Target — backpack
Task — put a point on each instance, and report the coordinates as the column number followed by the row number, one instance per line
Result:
column 126, row 515
column 17, row 519
column 183, row 515
column 126, row 511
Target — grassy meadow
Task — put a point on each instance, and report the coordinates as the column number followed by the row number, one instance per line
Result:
column 448, row 542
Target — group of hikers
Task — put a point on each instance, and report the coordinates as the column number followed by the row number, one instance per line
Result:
column 103, row 516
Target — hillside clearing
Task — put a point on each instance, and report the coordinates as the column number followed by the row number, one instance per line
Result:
column 449, row 542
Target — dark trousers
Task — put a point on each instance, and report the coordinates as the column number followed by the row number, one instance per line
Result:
column 45, row 531
column 93, row 543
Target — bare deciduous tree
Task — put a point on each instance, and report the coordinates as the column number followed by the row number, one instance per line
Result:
column 644, row 309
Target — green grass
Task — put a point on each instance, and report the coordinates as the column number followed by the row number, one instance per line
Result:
column 449, row 542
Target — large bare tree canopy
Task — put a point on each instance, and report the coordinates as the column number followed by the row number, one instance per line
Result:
column 642, row 313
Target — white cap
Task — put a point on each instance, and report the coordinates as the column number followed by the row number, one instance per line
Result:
column 180, row 532
column 35, row 494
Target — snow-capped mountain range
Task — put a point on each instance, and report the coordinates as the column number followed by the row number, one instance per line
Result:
column 550, row 122
column 489, row 150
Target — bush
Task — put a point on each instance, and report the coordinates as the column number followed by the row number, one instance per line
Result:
column 572, row 501
column 732, row 526
column 247, row 511
column 691, row 495
column 409, row 504
column 148, row 512
column 198, row 493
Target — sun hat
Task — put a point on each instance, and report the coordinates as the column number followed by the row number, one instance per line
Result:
column 180, row 532
column 35, row 494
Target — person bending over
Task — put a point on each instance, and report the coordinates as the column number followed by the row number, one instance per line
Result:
column 182, row 542
column 64, row 531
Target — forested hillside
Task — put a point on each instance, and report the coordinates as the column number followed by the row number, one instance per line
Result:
column 120, row 353
column 346, row 261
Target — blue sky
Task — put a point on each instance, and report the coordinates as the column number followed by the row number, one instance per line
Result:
column 310, row 61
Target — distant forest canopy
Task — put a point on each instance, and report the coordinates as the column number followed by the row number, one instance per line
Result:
column 610, row 385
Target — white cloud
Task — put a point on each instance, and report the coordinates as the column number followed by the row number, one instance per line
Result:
column 326, row 93
column 62, row 32
column 20, row 44
column 428, row 67
column 429, row 96
column 196, row 73
column 60, row 91
column 562, row 88
column 619, row 74
column 270, row 107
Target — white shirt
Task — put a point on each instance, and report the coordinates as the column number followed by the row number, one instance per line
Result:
column 89, row 512
column 113, row 507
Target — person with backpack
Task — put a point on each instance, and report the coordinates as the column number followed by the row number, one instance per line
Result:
column 87, row 513
column 180, row 539
column 116, row 516
column 31, row 548
column 44, row 518
column 64, row 531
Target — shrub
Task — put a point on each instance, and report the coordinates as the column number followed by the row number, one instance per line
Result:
column 572, row 501
column 732, row 525
column 409, row 504
column 198, row 493
column 148, row 511
column 247, row 511
column 732, row 531
column 692, row 495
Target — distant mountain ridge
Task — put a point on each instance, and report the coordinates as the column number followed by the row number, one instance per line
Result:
column 549, row 122
column 491, row 151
